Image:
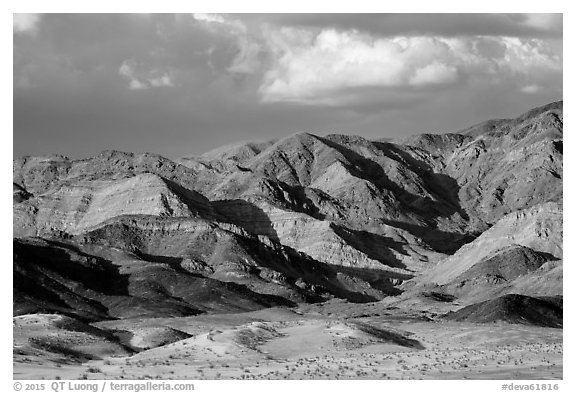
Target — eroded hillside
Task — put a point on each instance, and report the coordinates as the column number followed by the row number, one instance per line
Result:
column 301, row 219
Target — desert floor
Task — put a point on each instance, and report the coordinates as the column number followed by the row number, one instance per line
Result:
column 314, row 342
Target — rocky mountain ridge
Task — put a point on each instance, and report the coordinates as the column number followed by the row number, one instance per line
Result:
column 301, row 219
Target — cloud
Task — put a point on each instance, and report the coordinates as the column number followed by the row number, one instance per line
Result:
column 76, row 73
column 163, row 81
column 210, row 18
column 140, row 78
column 127, row 70
column 329, row 59
column 531, row 89
column 26, row 23
column 223, row 22
column 308, row 67
column 434, row 73
column 246, row 60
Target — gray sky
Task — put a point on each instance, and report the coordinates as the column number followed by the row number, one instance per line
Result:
column 184, row 84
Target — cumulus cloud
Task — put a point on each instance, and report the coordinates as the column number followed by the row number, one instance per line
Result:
column 26, row 23
column 140, row 78
column 325, row 65
column 315, row 63
column 307, row 67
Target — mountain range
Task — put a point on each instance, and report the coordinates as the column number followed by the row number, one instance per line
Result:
column 434, row 221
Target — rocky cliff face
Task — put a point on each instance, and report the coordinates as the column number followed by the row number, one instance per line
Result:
column 306, row 218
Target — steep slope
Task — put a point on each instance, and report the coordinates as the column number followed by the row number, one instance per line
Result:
column 545, row 281
column 511, row 270
column 512, row 167
column 398, row 251
column 513, row 309
column 372, row 181
column 228, row 253
column 500, row 166
column 329, row 179
column 55, row 276
column 445, row 189
column 539, row 228
column 507, row 264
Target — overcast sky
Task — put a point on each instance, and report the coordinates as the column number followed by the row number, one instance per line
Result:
column 183, row 84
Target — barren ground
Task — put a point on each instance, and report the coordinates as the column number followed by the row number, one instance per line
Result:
column 309, row 344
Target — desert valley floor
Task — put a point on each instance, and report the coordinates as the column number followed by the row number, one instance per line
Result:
column 306, row 344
